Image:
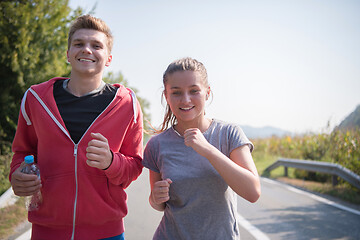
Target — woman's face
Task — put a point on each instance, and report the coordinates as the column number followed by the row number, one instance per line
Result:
column 186, row 95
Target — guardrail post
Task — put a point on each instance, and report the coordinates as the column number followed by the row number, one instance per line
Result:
column 285, row 171
column 334, row 180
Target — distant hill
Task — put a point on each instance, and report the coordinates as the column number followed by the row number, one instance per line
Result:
column 263, row 132
column 351, row 121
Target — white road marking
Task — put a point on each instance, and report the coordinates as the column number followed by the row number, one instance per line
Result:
column 313, row 196
column 254, row 231
column 25, row 236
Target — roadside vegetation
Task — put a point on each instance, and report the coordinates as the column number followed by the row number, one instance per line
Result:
column 341, row 147
column 11, row 217
column 5, row 159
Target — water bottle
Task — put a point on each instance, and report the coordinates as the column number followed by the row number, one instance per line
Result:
column 33, row 202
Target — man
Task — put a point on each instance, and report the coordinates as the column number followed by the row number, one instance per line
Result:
column 87, row 139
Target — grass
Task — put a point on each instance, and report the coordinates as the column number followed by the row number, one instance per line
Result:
column 11, row 217
column 342, row 191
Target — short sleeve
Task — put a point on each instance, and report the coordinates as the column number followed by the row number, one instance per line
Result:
column 151, row 159
column 237, row 138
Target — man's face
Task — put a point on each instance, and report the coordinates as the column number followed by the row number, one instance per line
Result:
column 88, row 52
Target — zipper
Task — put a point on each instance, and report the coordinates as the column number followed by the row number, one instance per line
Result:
column 76, row 190
column 75, row 155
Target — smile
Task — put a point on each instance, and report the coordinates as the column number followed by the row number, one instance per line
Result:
column 187, row 109
column 85, row 60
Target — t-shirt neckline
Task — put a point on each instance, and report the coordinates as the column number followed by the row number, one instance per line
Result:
column 204, row 133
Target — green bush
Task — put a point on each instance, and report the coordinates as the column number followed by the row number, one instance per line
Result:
column 5, row 159
column 341, row 147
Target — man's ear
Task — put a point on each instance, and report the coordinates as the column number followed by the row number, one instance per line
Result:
column 108, row 60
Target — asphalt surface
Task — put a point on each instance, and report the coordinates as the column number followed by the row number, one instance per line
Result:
column 285, row 212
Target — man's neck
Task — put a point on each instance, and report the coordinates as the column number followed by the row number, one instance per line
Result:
column 80, row 85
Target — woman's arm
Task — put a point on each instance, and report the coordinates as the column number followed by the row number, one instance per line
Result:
column 238, row 171
column 159, row 191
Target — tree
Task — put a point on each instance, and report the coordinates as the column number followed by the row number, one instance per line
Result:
column 33, row 46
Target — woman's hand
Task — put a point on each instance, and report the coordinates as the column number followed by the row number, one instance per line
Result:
column 194, row 138
column 238, row 171
column 160, row 191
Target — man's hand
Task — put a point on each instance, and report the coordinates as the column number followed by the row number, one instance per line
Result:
column 98, row 152
column 24, row 184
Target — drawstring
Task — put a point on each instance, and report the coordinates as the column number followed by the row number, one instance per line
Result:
column 26, row 117
column 134, row 105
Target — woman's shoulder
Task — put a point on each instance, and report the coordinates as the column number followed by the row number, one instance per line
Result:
column 228, row 129
column 230, row 126
column 157, row 137
column 232, row 132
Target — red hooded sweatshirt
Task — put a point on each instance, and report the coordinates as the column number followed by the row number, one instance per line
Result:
column 79, row 201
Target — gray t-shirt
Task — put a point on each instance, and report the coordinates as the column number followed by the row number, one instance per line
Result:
column 201, row 205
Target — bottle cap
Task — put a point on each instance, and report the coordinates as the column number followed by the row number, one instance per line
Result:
column 29, row 159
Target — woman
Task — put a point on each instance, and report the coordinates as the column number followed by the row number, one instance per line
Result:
column 197, row 164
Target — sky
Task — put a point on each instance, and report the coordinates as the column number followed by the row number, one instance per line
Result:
column 289, row 64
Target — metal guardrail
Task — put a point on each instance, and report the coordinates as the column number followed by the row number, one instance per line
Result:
column 315, row 166
column 8, row 198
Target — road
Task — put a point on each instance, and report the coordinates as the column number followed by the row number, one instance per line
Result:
column 282, row 212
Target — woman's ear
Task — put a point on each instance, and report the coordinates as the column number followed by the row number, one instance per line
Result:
column 208, row 93
column 164, row 95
